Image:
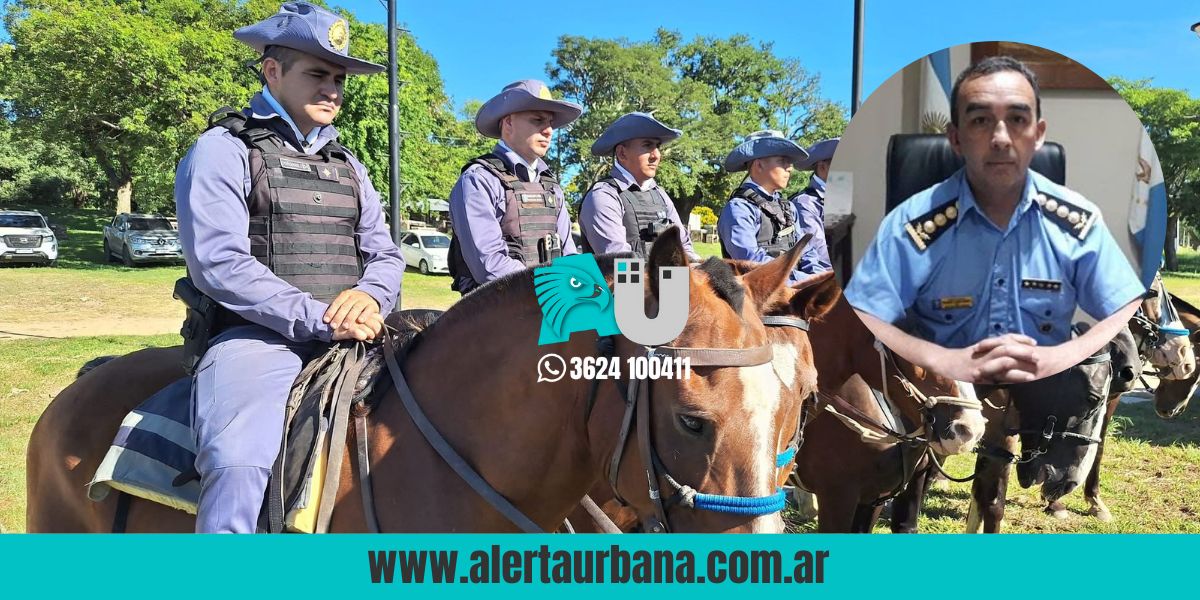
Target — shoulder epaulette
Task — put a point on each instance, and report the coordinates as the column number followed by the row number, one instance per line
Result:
column 923, row 230
column 1076, row 220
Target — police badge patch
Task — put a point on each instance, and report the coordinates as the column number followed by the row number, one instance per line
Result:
column 339, row 36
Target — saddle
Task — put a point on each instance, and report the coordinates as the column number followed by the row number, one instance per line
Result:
column 153, row 454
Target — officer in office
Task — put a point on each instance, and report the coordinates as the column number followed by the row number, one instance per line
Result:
column 627, row 210
column 977, row 278
column 757, row 223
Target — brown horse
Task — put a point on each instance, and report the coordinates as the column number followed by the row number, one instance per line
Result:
column 850, row 475
column 541, row 445
column 847, row 473
column 788, row 317
column 1171, row 396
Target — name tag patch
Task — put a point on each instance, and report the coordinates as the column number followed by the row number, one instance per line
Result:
column 953, row 302
column 1048, row 285
column 295, row 165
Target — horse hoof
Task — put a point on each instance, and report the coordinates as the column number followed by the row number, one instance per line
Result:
column 1058, row 511
column 1101, row 512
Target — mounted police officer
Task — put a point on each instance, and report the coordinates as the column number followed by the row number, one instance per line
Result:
column 281, row 227
column 809, row 205
column 626, row 211
column 985, row 269
column 507, row 209
column 757, row 224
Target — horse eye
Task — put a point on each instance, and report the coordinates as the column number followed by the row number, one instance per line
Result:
column 575, row 283
column 692, row 424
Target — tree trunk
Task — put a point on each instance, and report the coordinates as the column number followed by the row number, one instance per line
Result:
column 1172, row 257
column 125, row 195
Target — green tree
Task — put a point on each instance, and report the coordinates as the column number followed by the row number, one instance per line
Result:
column 1172, row 117
column 716, row 90
column 154, row 70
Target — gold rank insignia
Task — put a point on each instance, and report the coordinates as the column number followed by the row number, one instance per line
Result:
column 1077, row 221
column 952, row 302
column 1049, row 285
column 930, row 226
column 339, row 36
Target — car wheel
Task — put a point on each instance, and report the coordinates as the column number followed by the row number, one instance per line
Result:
column 53, row 263
column 126, row 257
column 109, row 257
column 424, row 267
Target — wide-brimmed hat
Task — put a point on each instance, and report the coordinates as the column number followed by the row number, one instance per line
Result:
column 527, row 94
column 762, row 144
column 632, row 126
column 309, row 29
column 822, row 150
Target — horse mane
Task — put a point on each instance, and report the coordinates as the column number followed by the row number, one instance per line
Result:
column 724, row 282
column 1195, row 312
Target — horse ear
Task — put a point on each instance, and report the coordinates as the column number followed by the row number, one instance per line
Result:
column 816, row 296
column 765, row 281
column 667, row 251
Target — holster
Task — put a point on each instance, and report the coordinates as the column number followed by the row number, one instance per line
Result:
column 200, row 324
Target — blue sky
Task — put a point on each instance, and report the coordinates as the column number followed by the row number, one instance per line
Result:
column 481, row 46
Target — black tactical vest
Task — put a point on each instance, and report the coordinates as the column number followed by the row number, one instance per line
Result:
column 529, row 225
column 645, row 216
column 777, row 228
column 303, row 209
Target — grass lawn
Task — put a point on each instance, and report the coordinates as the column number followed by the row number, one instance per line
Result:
column 1150, row 480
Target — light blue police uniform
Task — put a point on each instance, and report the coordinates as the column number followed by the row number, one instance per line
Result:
column 940, row 269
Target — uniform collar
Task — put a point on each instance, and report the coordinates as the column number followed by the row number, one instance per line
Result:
column 817, row 184
column 749, row 183
column 967, row 202
column 625, row 178
column 265, row 107
column 513, row 159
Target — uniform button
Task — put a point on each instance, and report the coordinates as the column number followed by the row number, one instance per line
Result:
column 1048, row 313
column 949, row 317
column 1046, row 327
column 996, row 326
column 1000, row 282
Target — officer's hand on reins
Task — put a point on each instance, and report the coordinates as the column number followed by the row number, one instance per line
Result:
column 366, row 331
column 351, row 306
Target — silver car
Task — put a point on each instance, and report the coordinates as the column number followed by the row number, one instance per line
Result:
column 140, row 239
column 426, row 249
column 25, row 237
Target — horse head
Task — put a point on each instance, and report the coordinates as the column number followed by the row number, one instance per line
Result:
column 724, row 436
column 1061, row 418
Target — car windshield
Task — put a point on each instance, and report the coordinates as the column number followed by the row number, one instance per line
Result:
column 26, row 221
column 435, row 241
column 149, row 224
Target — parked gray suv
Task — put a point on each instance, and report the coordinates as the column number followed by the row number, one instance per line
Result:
column 25, row 237
column 140, row 239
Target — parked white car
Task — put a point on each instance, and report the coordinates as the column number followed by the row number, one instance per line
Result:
column 426, row 249
column 25, row 237
column 141, row 239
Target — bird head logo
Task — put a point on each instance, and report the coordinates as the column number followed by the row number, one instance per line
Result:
column 573, row 296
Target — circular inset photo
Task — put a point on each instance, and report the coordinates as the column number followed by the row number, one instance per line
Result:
column 1010, row 218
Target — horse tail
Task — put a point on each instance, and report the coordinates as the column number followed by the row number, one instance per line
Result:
column 92, row 364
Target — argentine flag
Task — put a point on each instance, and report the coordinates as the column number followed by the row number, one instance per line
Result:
column 1148, row 211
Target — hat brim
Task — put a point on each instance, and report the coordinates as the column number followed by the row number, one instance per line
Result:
column 487, row 120
column 763, row 148
column 821, row 151
column 607, row 143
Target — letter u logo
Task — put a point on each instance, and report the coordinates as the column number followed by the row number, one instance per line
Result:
column 629, row 304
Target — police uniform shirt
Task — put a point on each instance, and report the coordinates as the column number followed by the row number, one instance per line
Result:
column 941, row 265
column 810, row 218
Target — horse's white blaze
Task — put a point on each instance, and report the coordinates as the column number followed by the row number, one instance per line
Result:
column 761, row 391
column 784, row 361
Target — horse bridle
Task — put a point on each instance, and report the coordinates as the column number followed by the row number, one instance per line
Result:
column 1156, row 333
column 1049, row 431
column 638, row 397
